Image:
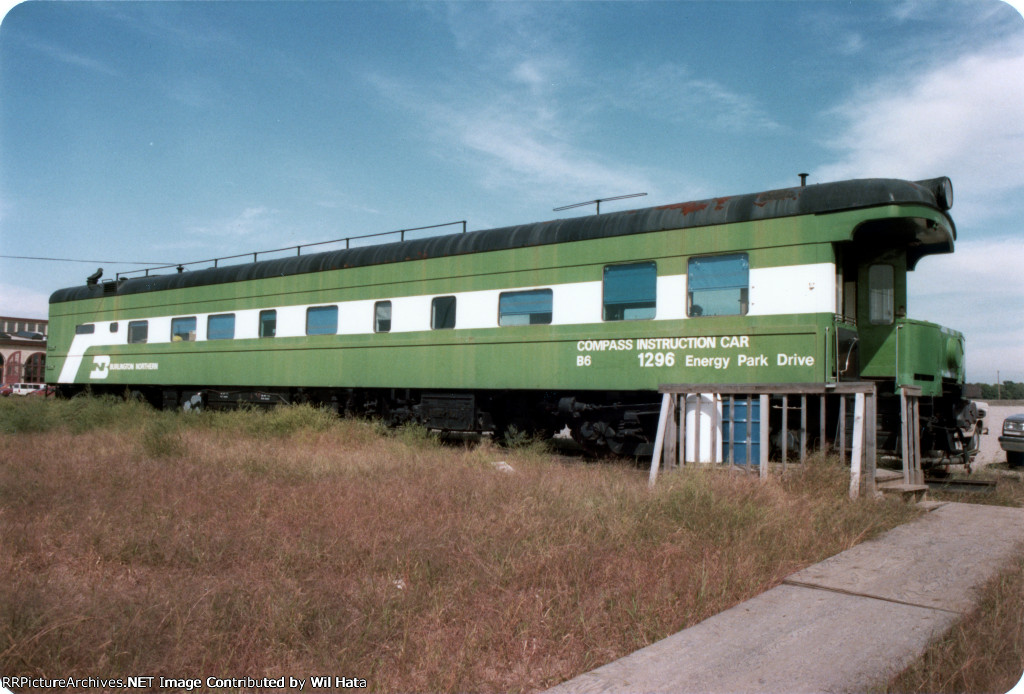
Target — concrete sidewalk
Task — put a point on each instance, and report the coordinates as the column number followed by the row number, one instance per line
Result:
column 845, row 625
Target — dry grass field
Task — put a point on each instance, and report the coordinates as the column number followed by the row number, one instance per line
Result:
column 290, row 543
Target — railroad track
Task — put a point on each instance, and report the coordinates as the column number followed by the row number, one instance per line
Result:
column 961, row 485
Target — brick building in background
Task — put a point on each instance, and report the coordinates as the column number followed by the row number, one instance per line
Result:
column 23, row 350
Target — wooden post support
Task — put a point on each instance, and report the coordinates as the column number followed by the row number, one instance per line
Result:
column 681, row 429
column 659, row 439
column 731, row 456
column 821, row 424
column 696, row 430
column 916, row 427
column 750, row 432
column 842, row 430
column 716, row 422
column 803, row 428
column 870, row 440
column 670, row 458
column 910, row 428
column 764, row 400
column 905, row 435
column 858, row 444
column 785, row 430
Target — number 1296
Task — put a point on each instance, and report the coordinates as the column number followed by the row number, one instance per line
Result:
column 657, row 359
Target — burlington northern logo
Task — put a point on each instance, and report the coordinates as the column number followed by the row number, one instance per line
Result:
column 101, row 366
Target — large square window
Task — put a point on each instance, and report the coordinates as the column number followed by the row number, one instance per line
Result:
column 718, row 285
column 531, row 307
column 183, row 329
column 630, row 291
column 138, row 331
column 322, row 320
column 220, row 327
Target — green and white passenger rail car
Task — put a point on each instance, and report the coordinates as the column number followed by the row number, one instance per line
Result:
column 569, row 322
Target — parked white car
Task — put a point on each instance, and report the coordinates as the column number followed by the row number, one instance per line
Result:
column 23, row 388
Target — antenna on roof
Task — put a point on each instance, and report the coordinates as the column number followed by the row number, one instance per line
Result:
column 598, row 202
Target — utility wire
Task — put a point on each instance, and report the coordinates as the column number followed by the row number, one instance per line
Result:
column 72, row 260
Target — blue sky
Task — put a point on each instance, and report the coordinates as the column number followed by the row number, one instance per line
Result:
column 175, row 131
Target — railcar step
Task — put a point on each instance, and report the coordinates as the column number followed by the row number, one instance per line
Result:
column 917, row 492
column 883, row 475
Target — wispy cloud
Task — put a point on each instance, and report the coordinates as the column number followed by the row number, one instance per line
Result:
column 514, row 115
column 526, row 145
column 527, row 107
column 20, row 302
column 964, row 119
column 250, row 223
column 852, row 44
column 69, row 57
column 973, row 291
column 518, row 149
column 674, row 92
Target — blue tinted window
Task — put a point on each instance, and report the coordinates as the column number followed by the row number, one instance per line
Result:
column 630, row 291
column 221, row 327
column 532, row 307
column 718, row 285
column 322, row 320
column 183, row 329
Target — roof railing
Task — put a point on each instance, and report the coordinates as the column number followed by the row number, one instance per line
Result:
column 180, row 267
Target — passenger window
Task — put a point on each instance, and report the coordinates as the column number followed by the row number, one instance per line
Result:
column 221, row 327
column 442, row 313
column 113, row 327
column 382, row 317
column 630, row 291
column 881, row 294
column 268, row 323
column 86, row 329
column 138, row 331
column 718, row 285
column 322, row 320
column 183, row 329
column 531, row 307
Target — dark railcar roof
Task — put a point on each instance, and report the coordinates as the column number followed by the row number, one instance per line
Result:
column 787, row 202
